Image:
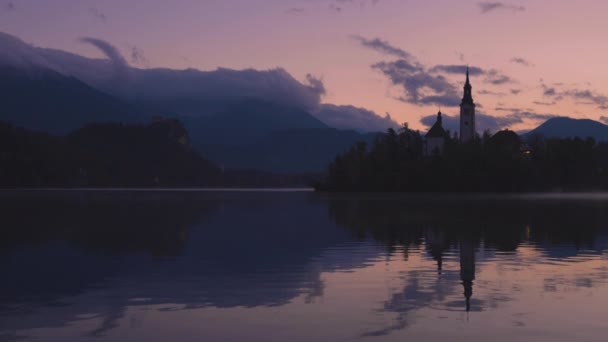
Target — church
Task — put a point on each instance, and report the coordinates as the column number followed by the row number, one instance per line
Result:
column 437, row 135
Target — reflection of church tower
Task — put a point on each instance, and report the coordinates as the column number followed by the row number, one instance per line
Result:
column 437, row 244
column 467, row 113
column 467, row 268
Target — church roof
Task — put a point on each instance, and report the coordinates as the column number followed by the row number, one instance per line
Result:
column 437, row 130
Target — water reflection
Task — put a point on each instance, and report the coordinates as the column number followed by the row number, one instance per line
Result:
column 95, row 263
column 560, row 230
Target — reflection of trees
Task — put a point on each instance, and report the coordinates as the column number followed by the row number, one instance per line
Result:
column 117, row 224
column 190, row 250
column 193, row 250
column 441, row 224
column 502, row 223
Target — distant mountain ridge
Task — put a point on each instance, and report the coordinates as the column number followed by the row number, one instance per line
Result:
column 565, row 127
column 250, row 134
column 251, row 119
column 247, row 121
column 287, row 151
column 44, row 100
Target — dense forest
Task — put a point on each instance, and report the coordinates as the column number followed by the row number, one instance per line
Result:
column 504, row 162
column 119, row 155
column 159, row 154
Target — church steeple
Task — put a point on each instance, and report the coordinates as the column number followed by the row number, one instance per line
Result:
column 467, row 113
column 468, row 96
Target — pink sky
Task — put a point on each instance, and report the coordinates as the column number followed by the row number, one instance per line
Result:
column 562, row 41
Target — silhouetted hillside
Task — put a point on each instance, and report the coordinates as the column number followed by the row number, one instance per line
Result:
column 44, row 100
column 247, row 121
column 294, row 150
column 118, row 155
column 103, row 155
column 250, row 134
column 564, row 127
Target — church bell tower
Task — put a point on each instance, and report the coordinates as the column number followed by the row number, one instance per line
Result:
column 467, row 113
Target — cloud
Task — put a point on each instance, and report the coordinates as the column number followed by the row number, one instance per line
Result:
column 540, row 103
column 295, row 11
column 487, row 7
column 549, row 92
column 338, row 6
column 138, row 57
column 189, row 93
column 460, row 55
column 361, row 2
column 489, row 122
column 527, row 114
column 10, row 6
column 335, row 8
column 163, row 85
column 316, row 84
column 353, row 118
column 121, row 67
column 492, row 76
column 15, row 52
column 583, row 96
column 96, row 13
column 457, row 69
column 422, row 85
column 515, row 91
column 591, row 97
column 382, row 46
column 495, row 77
column 521, row 61
column 158, row 85
column 492, row 93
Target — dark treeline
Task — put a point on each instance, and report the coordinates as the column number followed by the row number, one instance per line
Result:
column 504, row 162
column 118, row 155
column 503, row 223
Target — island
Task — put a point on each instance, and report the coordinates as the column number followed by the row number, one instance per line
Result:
column 440, row 161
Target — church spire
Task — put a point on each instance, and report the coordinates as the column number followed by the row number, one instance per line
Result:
column 468, row 96
column 467, row 113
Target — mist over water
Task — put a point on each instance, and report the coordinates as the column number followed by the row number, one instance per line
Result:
column 299, row 266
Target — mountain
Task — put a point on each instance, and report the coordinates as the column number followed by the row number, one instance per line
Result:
column 41, row 99
column 249, row 134
column 247, row 121
column 251, row 119
column 564, row 127
column 287, row 151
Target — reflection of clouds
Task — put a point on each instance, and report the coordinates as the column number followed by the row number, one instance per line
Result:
column 244, row 256
column 110, row 321
column 422, row 289
column 190, row 258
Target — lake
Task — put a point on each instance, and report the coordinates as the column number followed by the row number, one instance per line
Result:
column 301, row 266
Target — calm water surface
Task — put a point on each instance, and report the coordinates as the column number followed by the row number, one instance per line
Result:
column 283, row 266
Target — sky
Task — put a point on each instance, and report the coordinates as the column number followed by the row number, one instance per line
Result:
column 529, row 60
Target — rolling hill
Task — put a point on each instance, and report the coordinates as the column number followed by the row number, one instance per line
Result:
column 564, row 127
